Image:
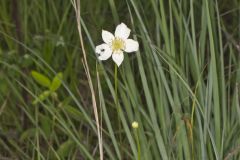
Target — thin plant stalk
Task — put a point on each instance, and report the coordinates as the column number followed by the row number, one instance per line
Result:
column 76, row 5
column 116, row 97
column 138, row 144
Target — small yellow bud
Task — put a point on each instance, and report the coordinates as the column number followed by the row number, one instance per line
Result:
column 135, row 125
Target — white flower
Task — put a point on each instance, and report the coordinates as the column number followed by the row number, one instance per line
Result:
column 115, row 44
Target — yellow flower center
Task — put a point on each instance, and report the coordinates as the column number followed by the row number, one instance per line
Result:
column 118, row 44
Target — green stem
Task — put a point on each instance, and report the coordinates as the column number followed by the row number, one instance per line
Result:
column 138, row 145
column 116, row 97
column 116, row 84
column 37, row 130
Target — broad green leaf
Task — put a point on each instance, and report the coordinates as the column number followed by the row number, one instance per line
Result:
column 41, row 79
column 29, row 133
column 74, row 113
column 56, row 82
column 42, row 97
column 45, row 123
column 65, row 148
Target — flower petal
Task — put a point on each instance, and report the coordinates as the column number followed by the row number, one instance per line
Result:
column 107, row 36
column 131, row 45
column 122, row 31
column 118, row 57
column 103, row 51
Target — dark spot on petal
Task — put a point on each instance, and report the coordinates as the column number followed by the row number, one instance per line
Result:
column 98, row 53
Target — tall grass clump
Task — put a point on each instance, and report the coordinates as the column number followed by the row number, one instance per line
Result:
column 177, row 97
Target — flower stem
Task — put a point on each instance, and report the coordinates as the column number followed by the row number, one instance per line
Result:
column 138, row 144
column 116, row 98
column 116, row 84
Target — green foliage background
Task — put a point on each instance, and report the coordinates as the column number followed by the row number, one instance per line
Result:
column 182, row 87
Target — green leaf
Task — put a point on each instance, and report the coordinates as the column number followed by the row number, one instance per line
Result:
column 74, row 113
column 41, row 79
column 65, row 148
column 56, row 83
column 41, row 97
column 45, row 123
column 29, row 133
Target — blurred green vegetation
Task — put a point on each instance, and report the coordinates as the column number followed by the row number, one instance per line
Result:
column 182, row 87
